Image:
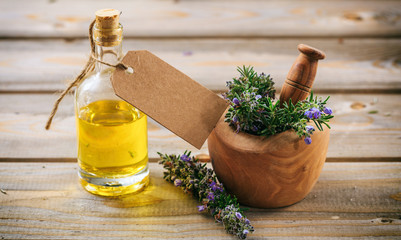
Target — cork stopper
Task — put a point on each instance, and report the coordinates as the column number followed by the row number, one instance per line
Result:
column 108, row 31
column 107, row 18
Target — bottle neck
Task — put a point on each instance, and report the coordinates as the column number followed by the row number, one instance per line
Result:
column 108, row 46
column 111, row 55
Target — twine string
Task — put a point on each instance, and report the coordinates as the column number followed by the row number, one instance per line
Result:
column 89, row 66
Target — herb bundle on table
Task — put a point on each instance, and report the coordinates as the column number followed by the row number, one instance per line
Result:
column 194, row 177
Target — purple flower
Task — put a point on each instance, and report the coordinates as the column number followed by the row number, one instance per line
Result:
column 245, row 232
column 308, row 140
column 236, row 101
column 177, row 182
column 308, row 114
column 316, row 113
column 247, row 221
column 235, row 119
column 254, row 128
column 238, row 215
column 210, row 196
column 258, row 97
column 185, row 158
column 310, row 129
column 201, row 208
column 328, row 111
column 313, row 113
column 213, row 185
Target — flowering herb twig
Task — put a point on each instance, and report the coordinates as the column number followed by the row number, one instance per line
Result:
column 253, row 108
column 194, row 177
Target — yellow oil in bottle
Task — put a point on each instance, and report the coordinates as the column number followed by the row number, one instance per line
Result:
column 112, row 147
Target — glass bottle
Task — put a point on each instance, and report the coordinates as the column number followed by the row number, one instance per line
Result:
column 111, row 133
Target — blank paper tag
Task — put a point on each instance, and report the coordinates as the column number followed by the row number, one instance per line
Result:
column 170, row 97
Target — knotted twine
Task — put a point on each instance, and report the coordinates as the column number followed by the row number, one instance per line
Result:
column 89, row 66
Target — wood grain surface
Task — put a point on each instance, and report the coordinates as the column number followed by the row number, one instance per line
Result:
column 363, row 125
column 206, row 18
column 44, row 200
column 352, row 65
column 43, row 45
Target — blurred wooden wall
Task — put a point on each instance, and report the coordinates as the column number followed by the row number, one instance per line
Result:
column 43, row 45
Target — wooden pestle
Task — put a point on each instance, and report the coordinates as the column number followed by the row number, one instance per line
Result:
column 300, row 78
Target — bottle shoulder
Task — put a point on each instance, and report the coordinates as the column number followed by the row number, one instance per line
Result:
column 96, row 86
column 95, row 93
column 96, row 81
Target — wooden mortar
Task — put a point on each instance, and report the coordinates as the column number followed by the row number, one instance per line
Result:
column 267, row 172
column 279, row 170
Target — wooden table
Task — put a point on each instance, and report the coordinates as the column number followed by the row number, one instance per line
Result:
column 43, row 44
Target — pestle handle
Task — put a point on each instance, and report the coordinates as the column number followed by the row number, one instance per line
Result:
column 299, row 81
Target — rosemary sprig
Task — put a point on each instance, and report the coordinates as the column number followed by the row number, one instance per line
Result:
column 254, row 110
column 195, row 178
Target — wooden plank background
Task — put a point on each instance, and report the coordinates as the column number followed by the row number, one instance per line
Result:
column 352, row 65
column 43, row 45
column 358, row 131
column 228, row 18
